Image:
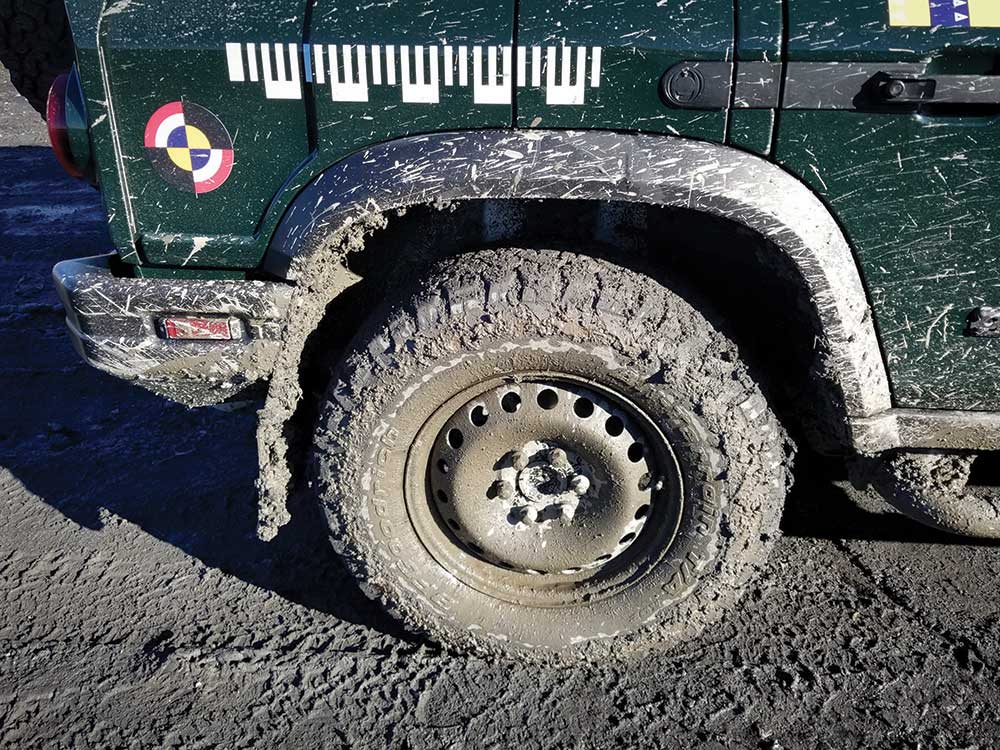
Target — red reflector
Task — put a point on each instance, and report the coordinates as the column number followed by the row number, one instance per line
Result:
column 204, row 329
column 55, row 120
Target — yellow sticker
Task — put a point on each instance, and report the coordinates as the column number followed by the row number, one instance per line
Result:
column 960, row 13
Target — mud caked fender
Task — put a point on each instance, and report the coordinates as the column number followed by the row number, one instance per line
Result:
column 333, row 213
column 658, row 170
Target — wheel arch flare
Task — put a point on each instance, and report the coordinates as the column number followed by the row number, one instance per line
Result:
column 333, row 215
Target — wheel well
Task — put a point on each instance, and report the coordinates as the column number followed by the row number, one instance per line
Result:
column 739, row 280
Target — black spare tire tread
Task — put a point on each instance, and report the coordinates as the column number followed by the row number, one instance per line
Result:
column 35, row 46
column 652, row 341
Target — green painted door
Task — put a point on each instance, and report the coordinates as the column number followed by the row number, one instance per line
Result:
column 911, row 172
column 583, row 64
column 429, row 65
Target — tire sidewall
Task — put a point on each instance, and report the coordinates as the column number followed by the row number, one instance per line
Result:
column 398, row 378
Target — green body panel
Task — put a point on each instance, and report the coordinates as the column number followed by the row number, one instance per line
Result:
column 163, row 51
column 759, row 30
column 758, row 39
column 639, row 40
column 751, row 129
column 913, row 194
column 281, row 144
column 916, row 197
column 139, row 57
column 150, row 64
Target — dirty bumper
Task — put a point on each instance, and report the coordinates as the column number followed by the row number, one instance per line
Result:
column 121, row 325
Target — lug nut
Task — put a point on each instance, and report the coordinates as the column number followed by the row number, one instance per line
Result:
column 566, row 511
column 650, row 482
column 558, row 458
column 519, row 459
column 503, row 490
column 530, row 514
column 579, row 484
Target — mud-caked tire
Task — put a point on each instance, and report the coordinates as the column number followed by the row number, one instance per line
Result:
column 35, row 46
column 539, row 452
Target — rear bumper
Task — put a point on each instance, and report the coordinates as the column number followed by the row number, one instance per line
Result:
column 114, row 323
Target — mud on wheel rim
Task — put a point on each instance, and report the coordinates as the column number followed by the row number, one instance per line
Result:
column 542, row 489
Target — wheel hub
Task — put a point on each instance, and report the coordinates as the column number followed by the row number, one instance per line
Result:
column 543, row 482
column 544, row 477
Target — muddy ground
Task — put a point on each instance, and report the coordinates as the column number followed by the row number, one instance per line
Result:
column 138, row 609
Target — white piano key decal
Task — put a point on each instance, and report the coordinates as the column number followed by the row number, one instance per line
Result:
column 279, row 84
column 569, row 89
column 390, row 65
column 463, row 65
column 351, row 70
column 418, row 89
column 449, row 66
column 376, row 65
column 319, row 65
column 491, row 89
column 234, row 58
column 252, row 61
column 345, row 85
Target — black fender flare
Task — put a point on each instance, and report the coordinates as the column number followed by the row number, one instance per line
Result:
column 570, row 165
column 596, row 165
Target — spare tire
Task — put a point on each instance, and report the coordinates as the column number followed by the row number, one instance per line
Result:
column 35, row 46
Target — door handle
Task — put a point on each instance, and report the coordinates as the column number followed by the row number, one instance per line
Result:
column 908, row 90
column 940, row 89
column 887, row 87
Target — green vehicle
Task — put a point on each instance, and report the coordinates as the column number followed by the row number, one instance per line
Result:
column 538, row 299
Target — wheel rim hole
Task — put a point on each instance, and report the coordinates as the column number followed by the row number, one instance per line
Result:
column 511, row 402
column 583, row 407
column 614, row 426
column 641, row 512
column 479, row 415
column 455, row 438
column 635, row 452
column 454, row 524
column 442, row 496
column 627, row 538
column 603, row 558
column 476, row 548
column 443, row 466
column 548, row 398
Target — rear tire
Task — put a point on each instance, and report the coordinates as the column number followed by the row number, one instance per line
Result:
column 35, row 46
column 468, row 538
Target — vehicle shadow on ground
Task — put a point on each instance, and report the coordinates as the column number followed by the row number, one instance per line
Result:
column 824, row 505
column 151, row 472
column 100, row 451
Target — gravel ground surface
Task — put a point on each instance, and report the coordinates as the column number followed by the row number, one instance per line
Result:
column 137, row 608
column 20, row 125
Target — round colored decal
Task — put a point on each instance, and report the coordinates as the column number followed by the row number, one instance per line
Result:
column 189, row 147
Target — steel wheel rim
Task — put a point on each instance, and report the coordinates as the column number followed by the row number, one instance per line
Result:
column 547, row 441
